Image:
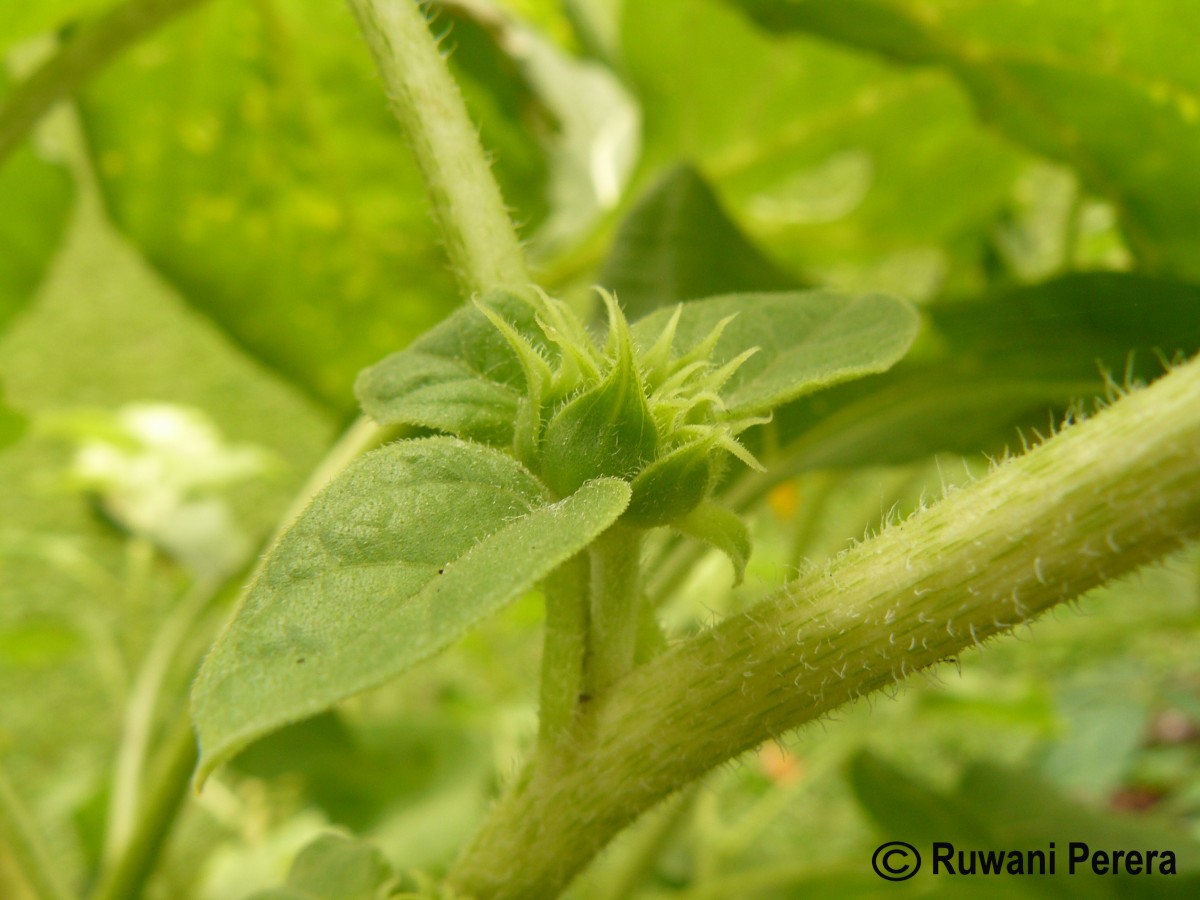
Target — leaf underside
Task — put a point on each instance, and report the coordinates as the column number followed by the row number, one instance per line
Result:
column 407, row 550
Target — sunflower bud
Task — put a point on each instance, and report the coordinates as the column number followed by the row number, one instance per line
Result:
column 605, row 431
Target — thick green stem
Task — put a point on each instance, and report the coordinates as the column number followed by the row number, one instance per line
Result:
column 565, row 647
column 467, row 205
column 615, row 592
column 20, row 837
column 82, row 56
column 1092, row 503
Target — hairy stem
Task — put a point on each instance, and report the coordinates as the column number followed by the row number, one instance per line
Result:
column 615, row 593
column 20, row 837
column 467, row 205
column 564, row 648
column 1092, row 503
column 94, row 47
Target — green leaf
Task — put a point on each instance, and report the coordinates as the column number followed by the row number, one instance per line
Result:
column 677, row 243
column 12, row 423
column 250, row 154
column 335, row 867
column 724, row 529
column 1016, row 358
column 357, row 773
column 807, row 341
column 995, row 807
column 907, row 809
column 397, row 558
column 25, row 20
column 823, row 155
column 462, row 377
column 1035, row 80
column 102, row 331
column 37, row 199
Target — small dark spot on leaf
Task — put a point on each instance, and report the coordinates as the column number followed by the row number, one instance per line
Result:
column 585, row 698
column 300, row 661
column 441, row 571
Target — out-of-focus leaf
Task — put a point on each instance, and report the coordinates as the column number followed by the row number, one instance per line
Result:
column 400, row 556
column 358, row 772
column 806, row 341
column 1020, row 806
column 996, row 808
column 36, row 200
column 908, row 810
column 677, row 244
column 846, row 170
column 1112, row 91
column 104, row 330
column 335, row 867
column 35, row 644
column 250, row 153
column 12, row 423
column 25, row 20
column 594, row 143
column 1014, row 359
column 462, row 377
column 597, row 25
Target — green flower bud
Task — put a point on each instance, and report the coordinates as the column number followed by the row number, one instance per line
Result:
column 605, row 431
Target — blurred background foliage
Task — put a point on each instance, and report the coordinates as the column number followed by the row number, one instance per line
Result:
column 225, row 220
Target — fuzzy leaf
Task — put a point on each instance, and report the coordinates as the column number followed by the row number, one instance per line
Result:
column 722, row 528
column 462, row 377
column 393, row 561
column 1015, row 359
column 807, row 341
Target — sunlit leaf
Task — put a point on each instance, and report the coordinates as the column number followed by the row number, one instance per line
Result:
column 250, row 154
column 844, row 169
column 1099, row 88
column 396, row 559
